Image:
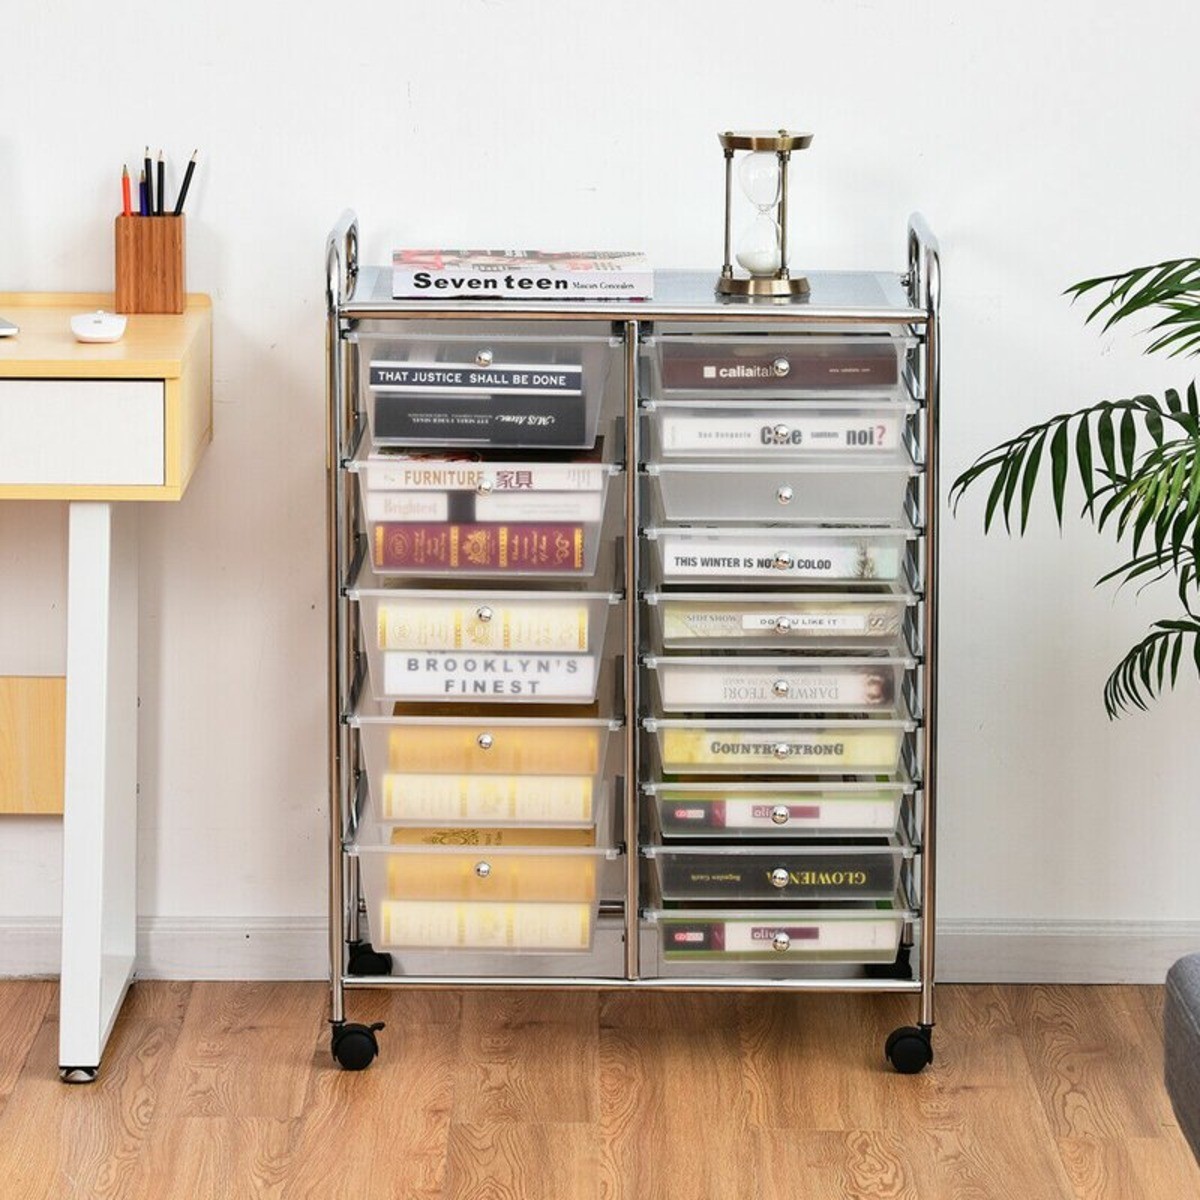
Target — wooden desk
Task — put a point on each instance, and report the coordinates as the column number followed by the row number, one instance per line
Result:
column 96, row 425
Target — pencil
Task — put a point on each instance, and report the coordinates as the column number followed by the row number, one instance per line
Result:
column 143, row 200
column 162, row 186
column 126, row 204
column 187, row 182
column 149, row 183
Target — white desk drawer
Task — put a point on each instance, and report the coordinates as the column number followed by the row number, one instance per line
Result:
column 74, row 431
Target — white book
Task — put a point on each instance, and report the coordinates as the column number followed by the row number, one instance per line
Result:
column 824, row 937
column 804, row 812
column 788, row 556
column 398, row 472
column 691, row 621
column 406, row 506
column 757, row 435
column 685, row 687
column 482, row 925
column 425, row 674
column 446, row 378
column 554, row 507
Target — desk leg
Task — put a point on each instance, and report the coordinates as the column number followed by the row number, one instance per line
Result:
column 99, row 911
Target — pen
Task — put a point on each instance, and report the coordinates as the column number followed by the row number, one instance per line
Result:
column 126, row 205
column 187, row 181
column 149, row 184
column 162, row 186
column 143, row 200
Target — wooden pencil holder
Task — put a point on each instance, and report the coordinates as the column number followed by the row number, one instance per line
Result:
column 150, row 265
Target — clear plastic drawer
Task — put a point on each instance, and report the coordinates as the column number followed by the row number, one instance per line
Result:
column 784, row 874
column 460, row 645
column 721, row 942
column 792, row 365
column 498, row 898
column 527, row 385
column 512, row 520
column 782, row 555
column 780, row 620
column 724, row 683
column 738, row 809
column 853, row 746
column 813, row 432
column 848, row 492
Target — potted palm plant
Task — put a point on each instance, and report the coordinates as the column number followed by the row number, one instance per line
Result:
column 1138, row 462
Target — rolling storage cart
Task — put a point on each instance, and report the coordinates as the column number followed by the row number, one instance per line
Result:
column 633, row 639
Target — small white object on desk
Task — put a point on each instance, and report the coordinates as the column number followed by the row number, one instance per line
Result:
column 98, row 326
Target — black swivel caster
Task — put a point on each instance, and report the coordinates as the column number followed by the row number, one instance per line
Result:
column 355, row 1046
column 909, row 1049
column 364, row 959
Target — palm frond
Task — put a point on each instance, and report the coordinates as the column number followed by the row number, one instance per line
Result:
column 1151, row 666
column 1172, row 286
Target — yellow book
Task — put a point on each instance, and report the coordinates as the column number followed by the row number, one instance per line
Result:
column 432, row 625
column 495, row 750
column 528, row 799
column 415, row 836
column 838, row 749
column 485, row 875
column 439, row 924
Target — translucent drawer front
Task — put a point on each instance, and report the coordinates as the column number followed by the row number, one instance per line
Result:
column 459, row 645
column 737, row 809
column 519, row 520
column 491, row 898
column 813, row 431
column 724, row 683
column 851, row 492
column 783, row 874
column 866, row 745
column 800, row 365
column 783, row 555
column 779, row 621
column 526, row 386
column 718, row 942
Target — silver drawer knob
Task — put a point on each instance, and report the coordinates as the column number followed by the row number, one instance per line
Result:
column 783, row 624
column 483, row 613
column 779, row 878
column 483, row 869
column 484, row 741
column 780, row 814
column 484, row 487
column 782, row 561
column 786, row 494
column 780, row 688
column 484, row 358
column 781, row 367
column 782, row 750
column 781, row 434
column 781, row 942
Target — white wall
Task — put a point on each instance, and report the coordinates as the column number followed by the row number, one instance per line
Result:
column 1044, row 143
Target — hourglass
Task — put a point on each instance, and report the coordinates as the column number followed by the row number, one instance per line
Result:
column 762, row 246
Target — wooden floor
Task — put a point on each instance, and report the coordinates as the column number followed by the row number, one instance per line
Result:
column 227, row 1090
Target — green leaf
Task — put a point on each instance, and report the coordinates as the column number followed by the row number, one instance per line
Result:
column 1128, row 441
column 1193, row 402
column 1058, row 468
column 1010, row 486
column 1030, row 478
column 1176, row 654
column 1104, row 430
column 1154, row 427
column 1083, row 458
column 994, row 496
column 1173, row 401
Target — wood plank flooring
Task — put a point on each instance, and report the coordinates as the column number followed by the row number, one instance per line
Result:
column 226, row 1091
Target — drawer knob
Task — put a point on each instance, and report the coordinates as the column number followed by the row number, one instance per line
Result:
column 484, row 741
column 782, row 561
column 782, row 434
column 779, row 878
column 781, row 367
column 780, row 814
column 484, row 358
column 484, row 487
column 786, row 494
column 483, row 869
column 782, row 750
column 780, row 688
column 484, row 613
column 781, row 942
column 783, row 624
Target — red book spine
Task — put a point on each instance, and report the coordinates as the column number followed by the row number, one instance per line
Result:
column 399, row 545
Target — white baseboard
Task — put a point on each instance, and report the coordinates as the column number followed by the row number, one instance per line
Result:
column 968, row 951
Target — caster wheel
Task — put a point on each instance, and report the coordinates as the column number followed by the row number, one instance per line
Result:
column 909, row 1049
column 366, row 960
column 355, row 1046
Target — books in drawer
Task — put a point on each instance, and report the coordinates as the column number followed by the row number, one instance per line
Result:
column 697, row 620
column 851, row 363
column 457, row 925
column 515, row 799
column 524, row 547
column 503, row 750
column 859, row 938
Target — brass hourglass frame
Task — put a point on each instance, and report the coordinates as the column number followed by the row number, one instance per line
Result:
column 779, row 282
